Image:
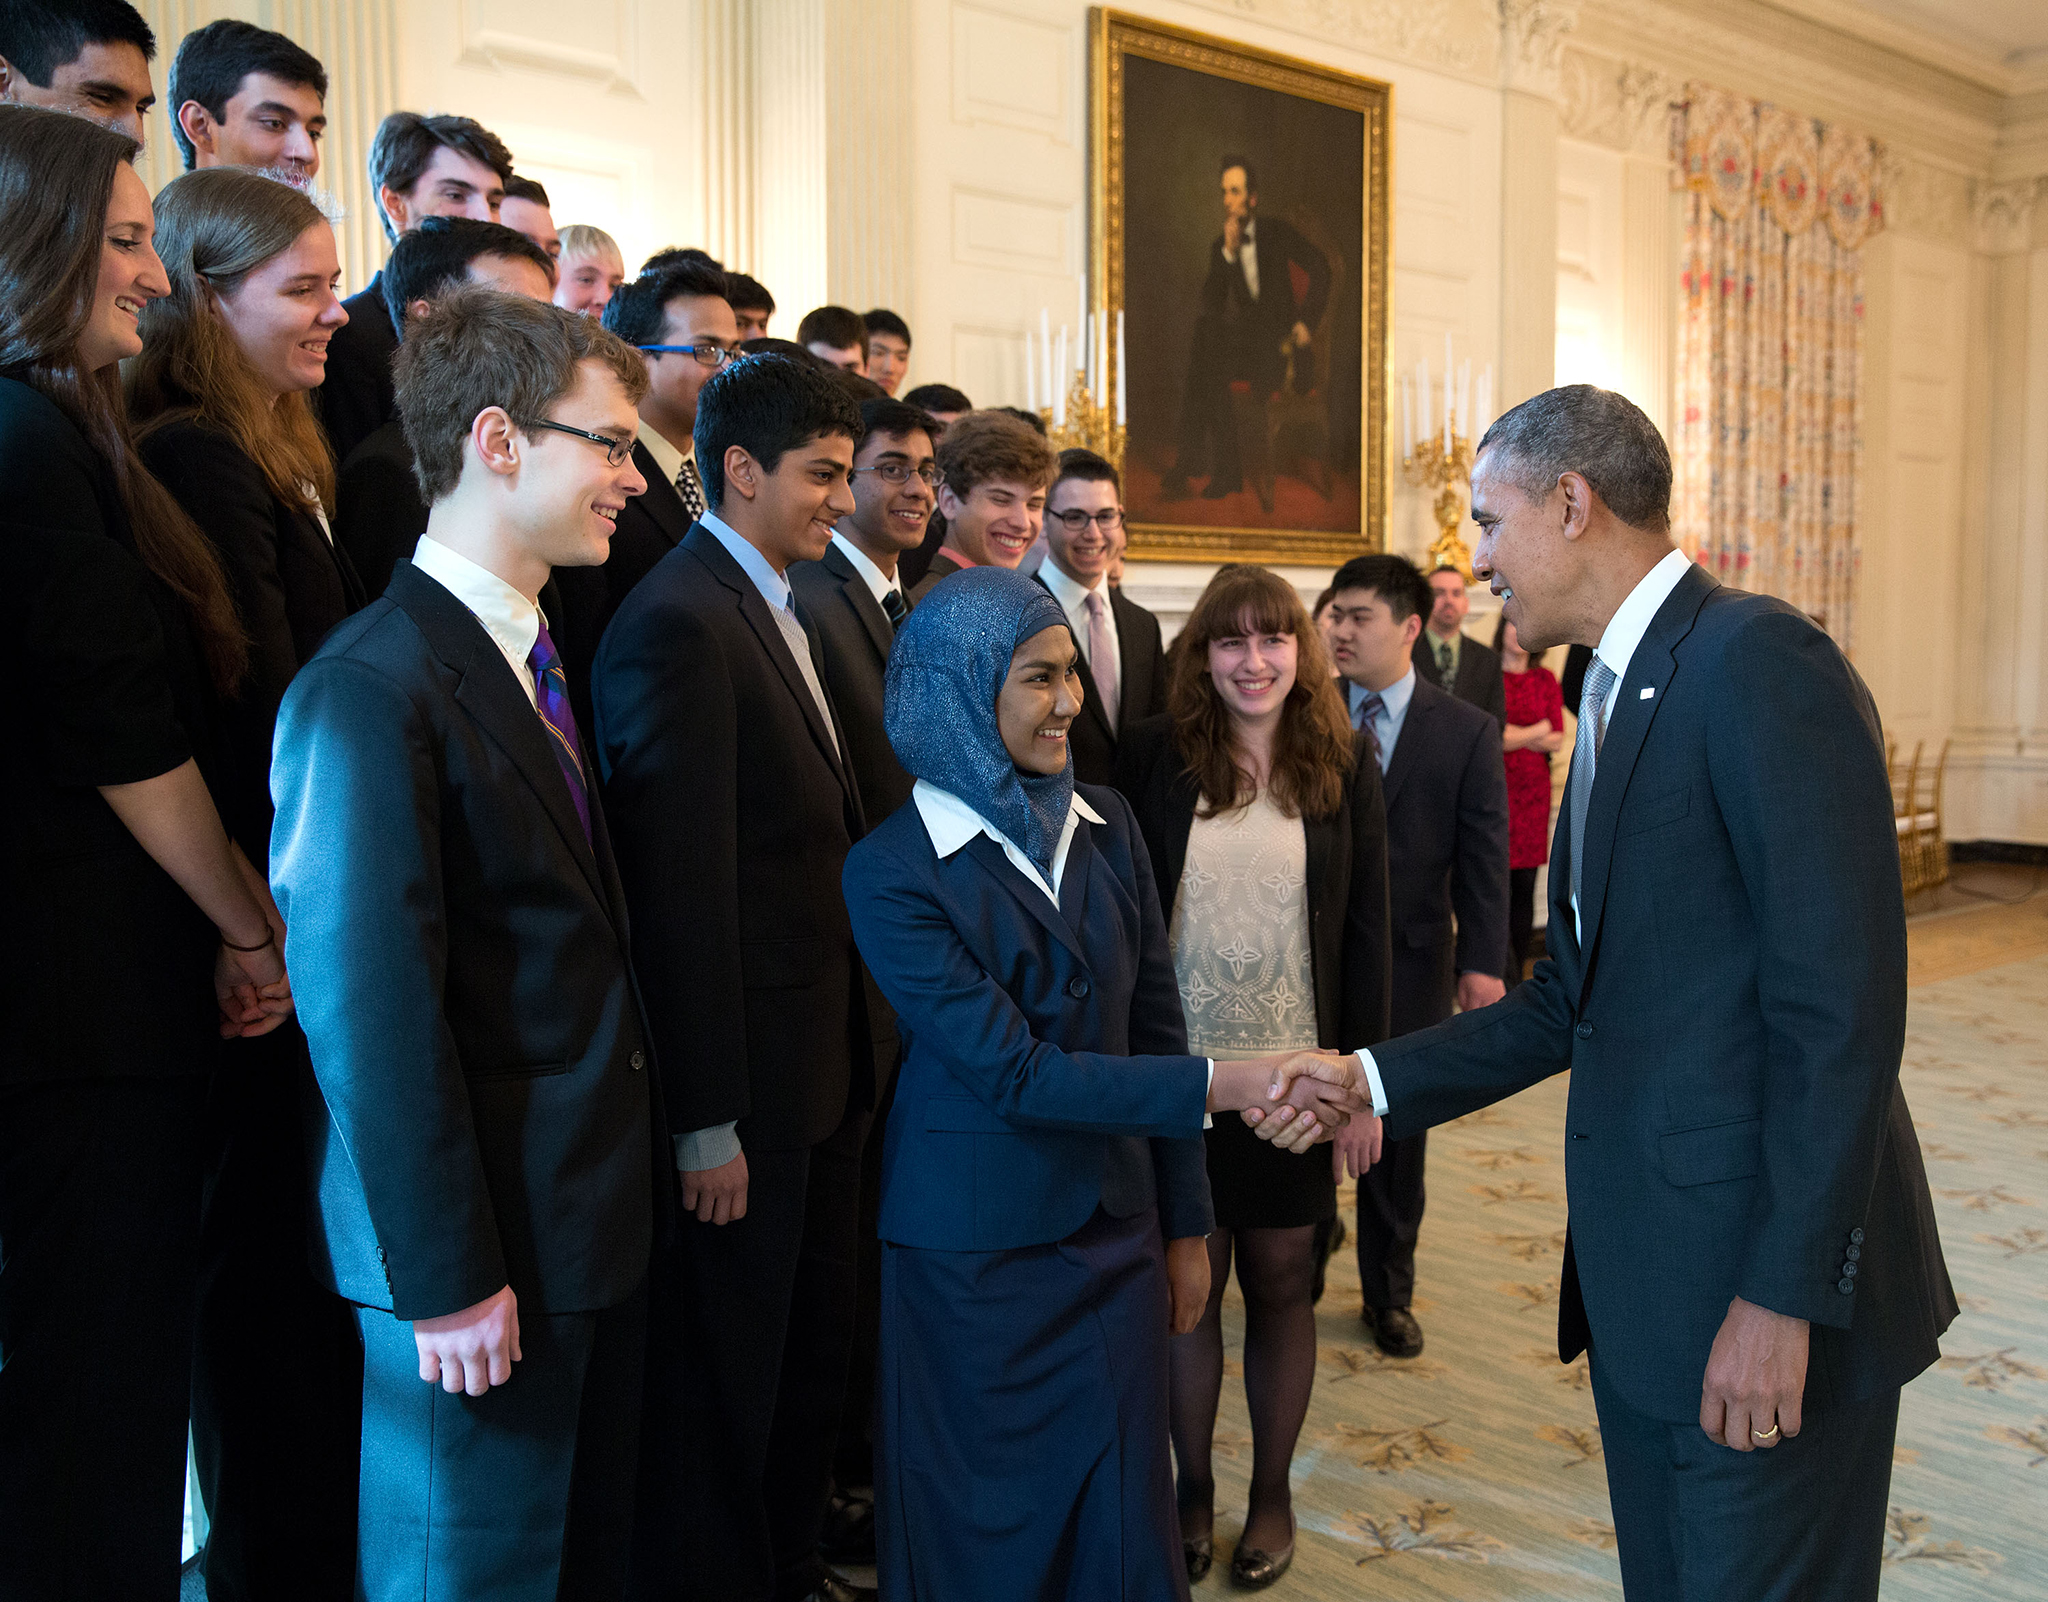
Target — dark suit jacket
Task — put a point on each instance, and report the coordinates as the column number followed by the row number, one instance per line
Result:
column 650, row 526
column 733, row 818
column 1733, row 1021
column 379, row 514
column 1347, row 877
column 1143, row 661
column 1045, row 1067
column 1478, row 682
column 458, row 949
column 941, row 566
column 1447, row 853
column 292, row 587
column 357, row 399
column 1265, row 322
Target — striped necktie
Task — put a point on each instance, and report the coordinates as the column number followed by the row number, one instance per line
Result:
column 1364, row 716
column 897, row 608
column 688, row 487
column 1585, row 751
column 551, row 700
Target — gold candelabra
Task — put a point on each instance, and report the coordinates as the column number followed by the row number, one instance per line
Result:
column 1088, row 426
column 1448, row 472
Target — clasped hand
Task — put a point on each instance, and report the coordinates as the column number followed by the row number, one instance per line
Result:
column 1294, row 1099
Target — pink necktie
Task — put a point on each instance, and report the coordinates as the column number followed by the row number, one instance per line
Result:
column 1102, row 663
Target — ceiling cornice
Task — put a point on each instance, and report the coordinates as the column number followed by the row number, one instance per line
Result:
column 1926, row 45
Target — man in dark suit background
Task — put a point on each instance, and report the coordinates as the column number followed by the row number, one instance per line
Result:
column 1122, row 663
column 1752, row 1261
column 489, row 1168
column 734, row 806
column 1249, row 318
column 420, row 167
column 1451, row 659
column 1447, row 877
column 380, row 512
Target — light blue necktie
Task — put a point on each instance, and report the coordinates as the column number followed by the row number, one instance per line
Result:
column 1585, row 752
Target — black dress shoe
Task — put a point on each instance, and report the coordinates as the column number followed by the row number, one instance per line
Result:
column 849, row 1534
column 1217, row 488
column 1174, row 487
column 1394, row 1331
column 1253, row 1570
column 1200, row 1554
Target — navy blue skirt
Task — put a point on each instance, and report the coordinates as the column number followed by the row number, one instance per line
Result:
column 1021, row 1450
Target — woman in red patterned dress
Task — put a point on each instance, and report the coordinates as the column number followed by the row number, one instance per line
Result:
column 1535, row 729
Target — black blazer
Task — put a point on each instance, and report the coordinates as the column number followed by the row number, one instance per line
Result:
column 1447, row 853
column 357, row 398
column 1347, row 877
column 111, row 689
column 854, row 635
column 1733, row 1021
column 1093, row 742
column 733, row 818
column 292, row 586
column 649, row 527
column 379, row 514
column 1478, row 682
column 458, row 949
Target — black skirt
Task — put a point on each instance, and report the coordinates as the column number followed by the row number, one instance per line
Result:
column 1257, row 1186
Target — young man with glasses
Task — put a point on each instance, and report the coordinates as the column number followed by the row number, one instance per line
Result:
column 1121, row 657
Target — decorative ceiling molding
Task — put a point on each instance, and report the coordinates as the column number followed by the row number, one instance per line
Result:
column 1618, row 104
column 2003, row 215
column 1532, row 43
column 1458, row 37
column 1925, row 201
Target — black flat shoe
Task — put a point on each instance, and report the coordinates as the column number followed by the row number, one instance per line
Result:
column 1394, row 1331
column 1253, row 1570
column 1200, row 1554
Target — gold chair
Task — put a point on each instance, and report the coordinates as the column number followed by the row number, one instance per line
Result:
column 1928, row 842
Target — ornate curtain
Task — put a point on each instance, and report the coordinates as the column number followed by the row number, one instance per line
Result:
column 1770, row 349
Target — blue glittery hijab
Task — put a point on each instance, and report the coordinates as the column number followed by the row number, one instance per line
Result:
column 946, row 667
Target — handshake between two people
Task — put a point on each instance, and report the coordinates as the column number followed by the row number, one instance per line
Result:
column 1297, row 1099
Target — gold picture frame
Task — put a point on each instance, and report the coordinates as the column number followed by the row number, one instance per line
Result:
column 1256, row 526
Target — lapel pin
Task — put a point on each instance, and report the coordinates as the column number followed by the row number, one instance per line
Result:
column 1649, row 690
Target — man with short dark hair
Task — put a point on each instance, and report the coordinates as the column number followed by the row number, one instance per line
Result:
column 1446, row 788
column 751, row 304
column 993, row 472
column 379, row 511
column 1752, row 1268
column 242, row 96
column 734, row 805
column 420, row 167
column 946, row 404
column 489, row 1195
column 88, row 57
column 835, row 336
column 888, row 348
column 525, row 210
column 1122, row 663
column 1452, row 660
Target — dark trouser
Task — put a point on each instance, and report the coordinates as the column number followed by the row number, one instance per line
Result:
column 99, row 1230
column 853, row 1461
column 1390, row 1199
column 1521, row 920
column 1699, row 1522
column 1224, row 349
column 746, row 1378
column 523, row 1494
column 276, row 1463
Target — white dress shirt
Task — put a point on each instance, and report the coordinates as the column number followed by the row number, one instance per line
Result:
column 872, row 576
column 1073, row 599
column 512, row 621
column 666, row 456
column 1394, row 699
column 1247, row 255
column 774, row 586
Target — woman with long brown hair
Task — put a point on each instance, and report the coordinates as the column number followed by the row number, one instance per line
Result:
column 1261, row 810
column 220, row 400
column 135, row 933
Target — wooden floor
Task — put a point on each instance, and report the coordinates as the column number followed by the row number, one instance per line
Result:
column 1988, row 914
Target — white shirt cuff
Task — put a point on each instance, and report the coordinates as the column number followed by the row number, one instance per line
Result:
column 1208, row 1119
column 700, row 1149
column 1372, row 1079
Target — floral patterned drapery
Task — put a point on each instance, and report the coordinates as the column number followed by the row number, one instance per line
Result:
column 1778, row 207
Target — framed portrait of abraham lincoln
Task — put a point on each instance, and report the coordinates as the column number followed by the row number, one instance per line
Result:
column 1240, row 223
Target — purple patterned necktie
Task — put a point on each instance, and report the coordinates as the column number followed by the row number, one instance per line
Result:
column 551, row 700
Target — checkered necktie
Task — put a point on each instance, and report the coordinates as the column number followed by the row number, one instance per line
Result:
column 551, row 699
column 691, row 490
column 1585, row 751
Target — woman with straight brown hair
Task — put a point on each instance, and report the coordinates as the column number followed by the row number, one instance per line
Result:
column 1262, row 812
column 136, row 934
column 220, row 400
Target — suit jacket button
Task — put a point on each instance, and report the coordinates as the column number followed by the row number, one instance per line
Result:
column 1077, row 987
column 1855, row 1237
column 1845, row 1285
column 1854, row 1253
column 1585, row 1031
column 637, row 1061
column 1848, row 1271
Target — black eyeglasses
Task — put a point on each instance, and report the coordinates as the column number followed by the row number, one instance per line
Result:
column 899, row 473
column 1109, row 519
column 706, row 355
column 616, row 450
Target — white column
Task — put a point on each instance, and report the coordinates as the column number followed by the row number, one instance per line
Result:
column 870, row 156
column 1532, row 46
column 793, row 225
column 726, row 132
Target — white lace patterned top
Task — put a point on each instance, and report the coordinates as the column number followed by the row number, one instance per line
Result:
column 1239, row 934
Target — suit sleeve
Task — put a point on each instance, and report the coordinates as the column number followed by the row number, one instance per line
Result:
column 1497, row 698
column 1479, row 874
column 1797, row 768
column 668, row 740
column 1368, row 937
column 356, row 865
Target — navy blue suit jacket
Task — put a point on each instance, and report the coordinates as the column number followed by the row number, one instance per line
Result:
column 1045, row 1066
column 1733, row 1022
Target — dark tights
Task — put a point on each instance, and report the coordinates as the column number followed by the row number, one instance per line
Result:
column 1275, row 1268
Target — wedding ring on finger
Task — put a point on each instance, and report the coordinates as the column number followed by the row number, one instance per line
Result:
column 1770, row 1434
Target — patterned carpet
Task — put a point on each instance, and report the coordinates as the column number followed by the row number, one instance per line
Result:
column 1474, row 1471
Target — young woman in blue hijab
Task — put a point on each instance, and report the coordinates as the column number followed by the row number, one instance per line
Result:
column 1043, row 1194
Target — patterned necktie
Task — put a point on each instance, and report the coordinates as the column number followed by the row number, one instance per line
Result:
column 1443, row 663
column 1585, row 751
column 1103, row 666
column 551, row 698
column 894, row 604
column 690, row 489
column 1369, row 707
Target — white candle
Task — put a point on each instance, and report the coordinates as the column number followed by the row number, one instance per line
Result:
column 1407, row 420
column 1059, row 393
column 1045, row 351
column 1102, row 361
column 1088, row 356
column 1030, row 375
column 1450, row 378
column 1422, row 393
column 1120, row 395
column 1081, row 310
column 1465, row 396
column 1484, row 414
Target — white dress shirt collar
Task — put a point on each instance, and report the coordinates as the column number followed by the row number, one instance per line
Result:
column 863, row 564
column 1632, row 619
column 666, row 456
column 1070, row 593
column 512, row 621
column 951, row 823
column 774, row 587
